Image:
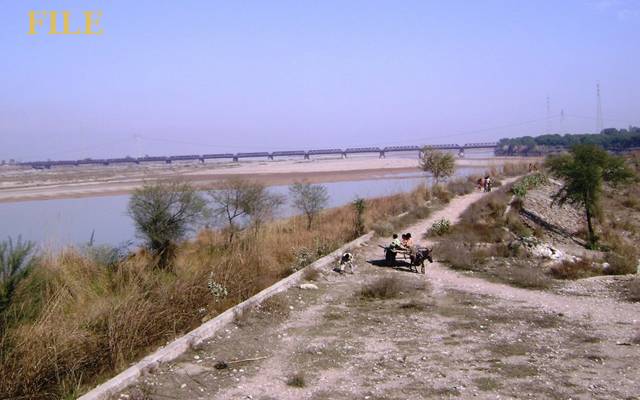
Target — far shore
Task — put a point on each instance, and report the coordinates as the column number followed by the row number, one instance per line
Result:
column 95, row 182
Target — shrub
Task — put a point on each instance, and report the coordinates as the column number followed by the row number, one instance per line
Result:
column 620, row 265
column 440, row 227
column 573, row 270
column 359, row 205
column 515, row 225
column 528, row 277
column 382, row 288
column 442, row 194
column 106, row 255
column 383, row 228
column 303, row 257
column 455, row 253
column 460, row 187
column 297, row 380
column 632, row 288
column 514, row 169
column 311, row 274
column 16, row 261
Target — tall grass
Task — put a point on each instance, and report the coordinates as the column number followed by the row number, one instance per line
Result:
column 74, row 321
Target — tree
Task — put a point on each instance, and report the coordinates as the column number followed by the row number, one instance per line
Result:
column 163, row 214
column 583, row 171
column 439, row 164
column 239, row 199
column 309, row 199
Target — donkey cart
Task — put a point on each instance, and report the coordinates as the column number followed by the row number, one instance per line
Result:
column 412, row 258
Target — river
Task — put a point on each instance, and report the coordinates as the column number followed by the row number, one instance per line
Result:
column 53, row 224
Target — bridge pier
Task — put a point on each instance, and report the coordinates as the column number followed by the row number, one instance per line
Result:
column 382, row 155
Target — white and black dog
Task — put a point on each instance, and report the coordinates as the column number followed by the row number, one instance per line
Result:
column 346, row 261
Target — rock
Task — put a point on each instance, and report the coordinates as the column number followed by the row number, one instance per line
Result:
column 308, row 286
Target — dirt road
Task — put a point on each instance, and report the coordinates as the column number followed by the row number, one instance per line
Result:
column 446, row 335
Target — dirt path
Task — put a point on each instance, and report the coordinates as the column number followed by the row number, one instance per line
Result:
column 445, row 335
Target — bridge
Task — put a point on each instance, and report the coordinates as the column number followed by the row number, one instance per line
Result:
column 236, row 157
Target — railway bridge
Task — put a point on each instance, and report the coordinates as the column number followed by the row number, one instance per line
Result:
column 237, row 157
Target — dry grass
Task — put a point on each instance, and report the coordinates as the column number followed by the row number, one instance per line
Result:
column 297, row 380
column 73, row 320
column 442, row 194
column 382, row 288
column 528, row 277
column 515, row 169
column 574, row 270
column 462, row 186
column 632, row 289
column 623, row 260
column 311, row 274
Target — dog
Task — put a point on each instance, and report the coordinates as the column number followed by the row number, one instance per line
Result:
column 347, row 260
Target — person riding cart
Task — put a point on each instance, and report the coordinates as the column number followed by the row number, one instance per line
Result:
column 392, row 250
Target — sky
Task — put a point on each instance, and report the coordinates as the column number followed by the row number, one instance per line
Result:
column 194, row 77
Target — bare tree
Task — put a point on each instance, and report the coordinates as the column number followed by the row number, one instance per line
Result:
column 440, row 164
column 242, row 200
column 262, row 207
column 163, row 213
column 309, row 199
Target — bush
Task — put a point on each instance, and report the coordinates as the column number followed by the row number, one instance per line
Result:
column 297, row 380
column 359, row 205
column 16, row 261
column 460, row 187
column 384, row 228
column 442, row 194
column 515, row 225
column 632, row 288
column 440, row 227
column 382, row 288
column 621, row 264
column 455, row 253
column 573, row 270
column 514, row 169
column 528, row 277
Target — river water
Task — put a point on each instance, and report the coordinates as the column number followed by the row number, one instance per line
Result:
column 53, row 224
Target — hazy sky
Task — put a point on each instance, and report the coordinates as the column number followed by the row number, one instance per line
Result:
column 215, row 76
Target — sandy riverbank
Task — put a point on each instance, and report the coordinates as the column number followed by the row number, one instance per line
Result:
column 74, row 182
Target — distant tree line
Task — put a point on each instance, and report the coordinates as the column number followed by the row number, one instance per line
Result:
column 609, row 139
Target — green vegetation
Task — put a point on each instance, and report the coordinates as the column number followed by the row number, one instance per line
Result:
column 359, row 206
column 609, row 139
column 583, row 171
column 440, row 227
column 527, row 183
column 440, row 164
column 163, row 214
column 16, row 261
